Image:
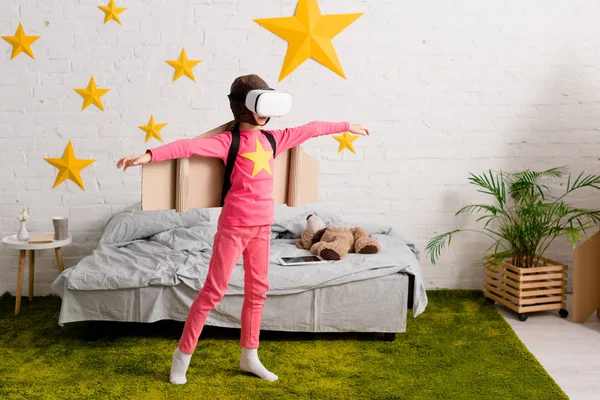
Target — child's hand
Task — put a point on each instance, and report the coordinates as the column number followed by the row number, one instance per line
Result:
column 359, row 129
column 132, row 161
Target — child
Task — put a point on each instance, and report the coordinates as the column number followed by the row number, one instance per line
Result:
column 245, row 222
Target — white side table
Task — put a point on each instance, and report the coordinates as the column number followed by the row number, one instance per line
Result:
column 13, row 243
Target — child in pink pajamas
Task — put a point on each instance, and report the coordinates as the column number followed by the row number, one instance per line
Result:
column 244, row 225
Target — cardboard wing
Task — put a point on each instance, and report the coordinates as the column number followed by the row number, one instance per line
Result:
column 196, row 182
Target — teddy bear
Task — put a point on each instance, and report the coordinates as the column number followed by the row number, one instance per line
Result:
column 334, row 242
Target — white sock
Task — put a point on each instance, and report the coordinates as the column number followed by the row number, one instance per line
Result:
column 180, row 364
column 249, row 362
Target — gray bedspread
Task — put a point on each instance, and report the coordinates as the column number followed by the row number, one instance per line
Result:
column 141, row 249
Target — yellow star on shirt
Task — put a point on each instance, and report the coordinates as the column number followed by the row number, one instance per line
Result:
column 152, row 129
column 112, row 12
column 21, row 43
column 183, row 66
column 261, row 158
column 69, row 167
column 309, row 34
column 346, row 142
column 91, row 95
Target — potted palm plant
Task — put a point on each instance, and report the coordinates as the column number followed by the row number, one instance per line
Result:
column 522, row 223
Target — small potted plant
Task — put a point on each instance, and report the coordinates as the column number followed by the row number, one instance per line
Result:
column 522, row 223
column 23, row 233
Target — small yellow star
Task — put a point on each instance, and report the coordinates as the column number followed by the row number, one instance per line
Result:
column 309, row 34
column 183, row 66
column 346, row 142
column 152, row 129
column 69, row 167
column 21, row 43
column 261, row 158
column 91, row 95
column 112, row 12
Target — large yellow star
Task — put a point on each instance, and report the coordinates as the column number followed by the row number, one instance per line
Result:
column 309, row 34
column 346, row 142
column 261, row 158
column 21, row 43
column 69, row 167
column 91, row 95
column 152, row 129
column 112, row 12
column 183, row 66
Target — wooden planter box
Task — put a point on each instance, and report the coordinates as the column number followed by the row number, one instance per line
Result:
column 526, row 290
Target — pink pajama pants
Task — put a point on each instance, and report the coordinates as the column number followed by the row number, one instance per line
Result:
column 231, row 242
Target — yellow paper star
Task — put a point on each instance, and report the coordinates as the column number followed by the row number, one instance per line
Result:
column 152, row 129
column 183, row 66
column 346, row 142
column 309, row 34
column 112, row 12
column 91, row 95
column 261, row 158
column 21, row 43
column 69, row 167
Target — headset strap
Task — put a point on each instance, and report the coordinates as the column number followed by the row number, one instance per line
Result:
column 232, row 155
column 272, row 141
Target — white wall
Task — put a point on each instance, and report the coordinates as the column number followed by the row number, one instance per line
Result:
column 447, row 87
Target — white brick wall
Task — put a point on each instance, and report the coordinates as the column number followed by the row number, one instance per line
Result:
column 446, row 87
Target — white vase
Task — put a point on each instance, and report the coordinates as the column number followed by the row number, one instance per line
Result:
column 23, row 233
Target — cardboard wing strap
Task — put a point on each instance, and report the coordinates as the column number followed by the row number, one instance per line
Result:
column 196, row 182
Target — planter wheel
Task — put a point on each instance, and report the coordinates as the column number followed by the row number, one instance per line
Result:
column 563, row 313
column 522, row 317
column 491, row 301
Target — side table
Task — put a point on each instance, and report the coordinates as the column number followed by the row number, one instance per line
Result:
column 12, row 242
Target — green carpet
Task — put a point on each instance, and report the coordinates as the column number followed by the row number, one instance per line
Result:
column 460, row 348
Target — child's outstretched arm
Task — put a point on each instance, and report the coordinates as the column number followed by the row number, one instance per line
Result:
column 292, row 137
column 207, row 146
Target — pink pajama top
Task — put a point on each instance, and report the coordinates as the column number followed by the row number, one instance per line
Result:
column 249, row 202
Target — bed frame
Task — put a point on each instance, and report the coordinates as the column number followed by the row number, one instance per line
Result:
column 386, row 313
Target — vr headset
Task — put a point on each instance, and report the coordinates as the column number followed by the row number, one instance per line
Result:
column 265, row 102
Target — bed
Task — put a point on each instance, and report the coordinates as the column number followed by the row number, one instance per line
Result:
column 149, row 266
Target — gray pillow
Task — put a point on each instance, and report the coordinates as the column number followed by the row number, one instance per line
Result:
column 134, row 224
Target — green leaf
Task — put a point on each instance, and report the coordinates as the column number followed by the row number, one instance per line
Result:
column 436, row 245
column 526, row 222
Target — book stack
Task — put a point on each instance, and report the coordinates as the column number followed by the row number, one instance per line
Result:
column 40, row 239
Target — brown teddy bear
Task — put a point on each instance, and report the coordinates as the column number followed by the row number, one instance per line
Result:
column 333, row 243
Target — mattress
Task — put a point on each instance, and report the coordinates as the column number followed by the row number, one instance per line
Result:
column 373, row 305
